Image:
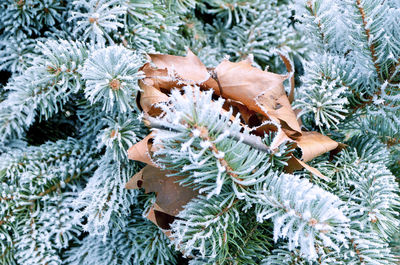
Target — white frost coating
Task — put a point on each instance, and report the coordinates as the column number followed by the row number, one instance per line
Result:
column 219, row 155
column 186, row 146
column 220, row 167
column 307, row 215
column 222, row 136
column 205, row 144
column 196, row 132
column 114, row 85
column 289, row 207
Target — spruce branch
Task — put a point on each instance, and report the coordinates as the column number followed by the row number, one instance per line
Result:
column 52, row 195
column 304, row 222
column 356, row 250
column 313, row 12
column 197, row 129
column 111, row 75
column 43, row 88
column 248, row 139
column 369, row 41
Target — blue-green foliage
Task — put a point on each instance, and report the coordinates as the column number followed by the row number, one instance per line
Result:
column 97, row 19
column 37, row 190
column 43, row 88
column 111, row 77
column 135, row 241
column 357, row 51
column 65, row 202
column 197, row 124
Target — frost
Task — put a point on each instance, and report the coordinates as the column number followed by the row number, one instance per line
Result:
column 196, row 132
column 205, row 144
column 219, row 155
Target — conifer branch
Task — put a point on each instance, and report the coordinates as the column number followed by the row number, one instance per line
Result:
column 57, row 185
column 370, row 43
column 350, row 54
column 248, row 139
column 314, row 14
column 356, row 250
column 205, row 136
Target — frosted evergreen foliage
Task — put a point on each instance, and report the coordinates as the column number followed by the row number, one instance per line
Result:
column 323, row 95
column 17, row 54
column 197, row 123
column 153, row 25
column 368, row 22
column 325, row 102
column 282, row 256
column 302, row 213
column 204, row 235
column 368, row 55
column 370, row 149
column 136, row 241
column 97, row 19
column 74, row 72
column 24, row 18
column 105, row 198
column 42, row 88
column 374, row 35
column 212, row 231
column 38, row 186
column 182, row 5
column 373, row 202
column 382, row 125
column 111, row 76
column 324, row 24
column 105, row 202
column 253, row 36
column 244, row 29
column 50, row 12
column 119, row 135
column 362, row 59
column 378, row 207
column 233, row 11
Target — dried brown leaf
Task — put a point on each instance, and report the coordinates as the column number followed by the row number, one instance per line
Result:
column 188, row 70
column 149, row 97
column 159, row 78
column 136, row 181
column 160, row 219
column 141, row 151
column 296, row 164
column 171, row 196
column 260, row 91
column 313, row 144
column 290, row 68
column 297, row 111
column 238, row 107
column 279, row 139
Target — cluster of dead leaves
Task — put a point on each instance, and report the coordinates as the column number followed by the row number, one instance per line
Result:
column 259, row 96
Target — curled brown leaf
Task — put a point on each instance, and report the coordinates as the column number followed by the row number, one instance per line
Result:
column 141, row 151
column 260, row 91
column 313, row 144
column 150, row 97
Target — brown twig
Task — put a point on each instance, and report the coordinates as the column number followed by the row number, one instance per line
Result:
column 368, row 34
column 57, row 185
column 314, row 13
column 358, row 252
